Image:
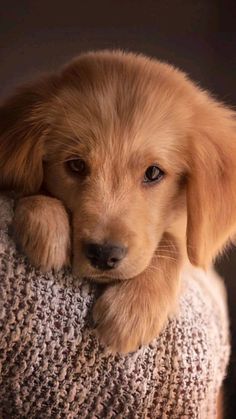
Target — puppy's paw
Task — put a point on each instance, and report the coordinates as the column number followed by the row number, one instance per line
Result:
column 128, row 316
column 41, row 228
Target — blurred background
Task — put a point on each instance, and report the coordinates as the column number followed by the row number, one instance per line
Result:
column 198, row 36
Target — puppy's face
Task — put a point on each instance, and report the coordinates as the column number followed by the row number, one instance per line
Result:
column 128, row 144
column 113, row 157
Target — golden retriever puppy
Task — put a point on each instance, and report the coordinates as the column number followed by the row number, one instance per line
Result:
column 139, row 164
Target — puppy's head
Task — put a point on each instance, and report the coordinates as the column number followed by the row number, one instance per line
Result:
column 127, row 143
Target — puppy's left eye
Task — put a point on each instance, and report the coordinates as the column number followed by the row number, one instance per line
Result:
column 153, row 174
column 77, row 167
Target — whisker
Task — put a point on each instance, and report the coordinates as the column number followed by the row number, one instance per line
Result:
column 166, row 251
column 166, row 257
column 165, row 246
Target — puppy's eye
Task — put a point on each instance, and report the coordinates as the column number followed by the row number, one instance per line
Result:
column 153, row 174
column 77, row 167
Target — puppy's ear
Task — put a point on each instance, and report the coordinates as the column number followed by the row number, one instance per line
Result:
column 24, row 123
column 211, row 189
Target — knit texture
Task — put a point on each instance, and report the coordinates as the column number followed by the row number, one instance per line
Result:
column 52, row 366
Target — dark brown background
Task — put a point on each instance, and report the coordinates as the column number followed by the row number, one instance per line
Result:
column 196, row 35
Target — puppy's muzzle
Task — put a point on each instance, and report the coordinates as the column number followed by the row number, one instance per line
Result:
column 104, row 256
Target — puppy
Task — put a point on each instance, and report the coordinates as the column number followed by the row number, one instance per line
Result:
column 136, row 161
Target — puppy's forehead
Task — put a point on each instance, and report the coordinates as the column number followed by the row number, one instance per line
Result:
column 120, row 105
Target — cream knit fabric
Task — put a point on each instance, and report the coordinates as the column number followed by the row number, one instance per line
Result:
column 53, row 367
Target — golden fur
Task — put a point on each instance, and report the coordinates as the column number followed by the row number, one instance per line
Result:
column 121, row 113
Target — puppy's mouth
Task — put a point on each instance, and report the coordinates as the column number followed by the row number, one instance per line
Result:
column 105, row 276
column 102, row 277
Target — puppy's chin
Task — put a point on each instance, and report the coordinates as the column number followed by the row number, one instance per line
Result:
column 105, row 277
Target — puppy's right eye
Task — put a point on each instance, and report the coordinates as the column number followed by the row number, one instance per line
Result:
column 77, row 167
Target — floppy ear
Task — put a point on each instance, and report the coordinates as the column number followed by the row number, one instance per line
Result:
column 211, row 188
column 24, row 123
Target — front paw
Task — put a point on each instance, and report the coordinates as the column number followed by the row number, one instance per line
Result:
column 128, row 317
column 41, row 228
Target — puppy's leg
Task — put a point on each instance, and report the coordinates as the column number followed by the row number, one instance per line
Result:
column 133, row 312
column 41, row 228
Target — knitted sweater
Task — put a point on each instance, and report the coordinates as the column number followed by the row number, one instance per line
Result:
column 52, row 366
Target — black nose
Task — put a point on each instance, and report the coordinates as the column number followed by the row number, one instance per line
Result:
column 104, row 257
